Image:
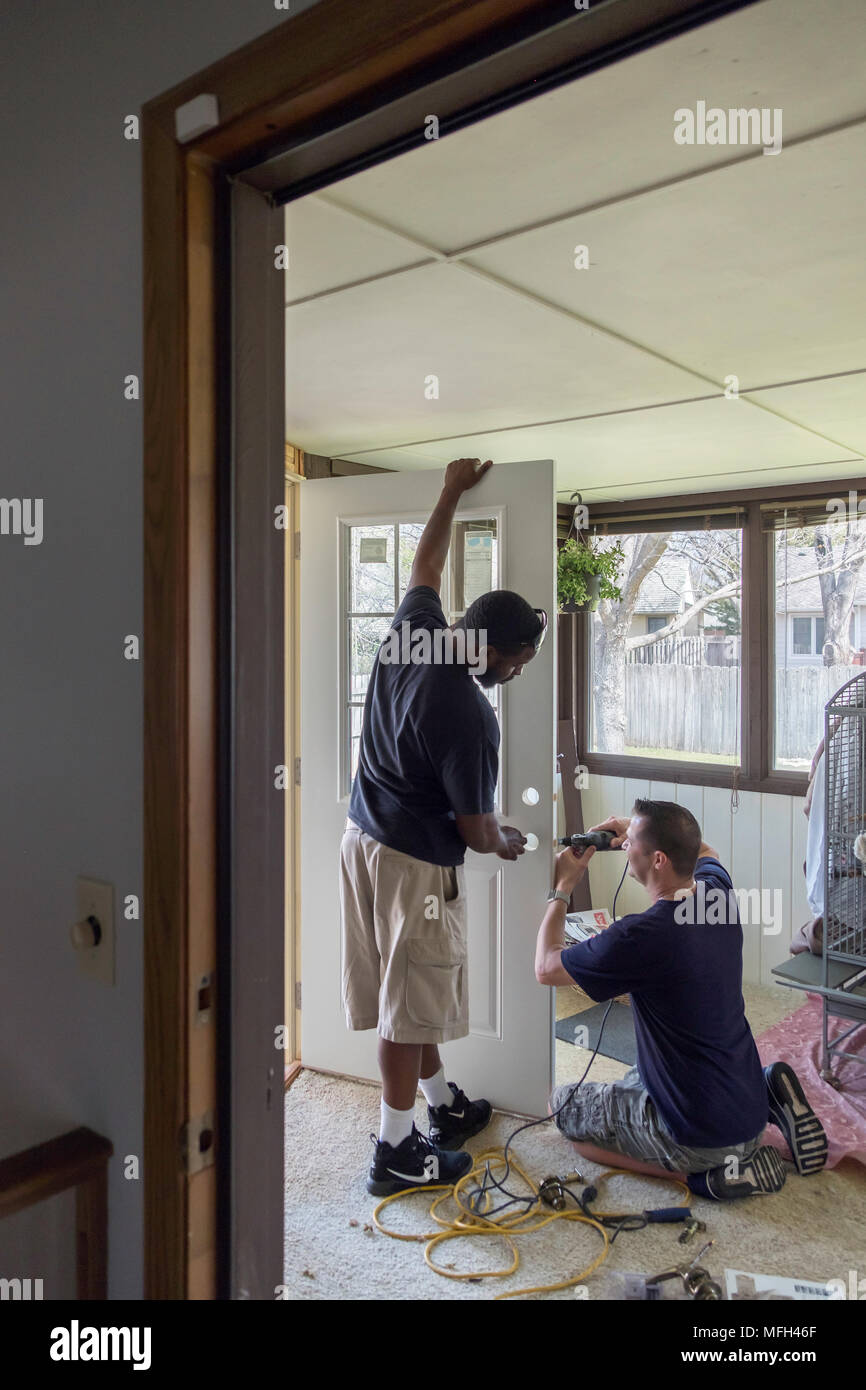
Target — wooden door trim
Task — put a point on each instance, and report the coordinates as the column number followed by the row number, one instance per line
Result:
column 308, row 74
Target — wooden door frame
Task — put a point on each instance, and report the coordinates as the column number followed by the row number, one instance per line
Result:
column 336, row 61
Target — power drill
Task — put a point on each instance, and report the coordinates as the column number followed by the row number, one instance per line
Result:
column 599, row 839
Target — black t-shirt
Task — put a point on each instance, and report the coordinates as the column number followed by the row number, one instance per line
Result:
column 429, row 745
column 695, row 1051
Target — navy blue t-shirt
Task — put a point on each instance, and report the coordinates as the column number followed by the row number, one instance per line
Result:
column 429, row 745
column 695, row 1052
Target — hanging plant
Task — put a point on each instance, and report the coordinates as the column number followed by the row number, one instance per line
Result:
column 585, row 574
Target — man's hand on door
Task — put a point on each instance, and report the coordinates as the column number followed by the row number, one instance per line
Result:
column 462, row 474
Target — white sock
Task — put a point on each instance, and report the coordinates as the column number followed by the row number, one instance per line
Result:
column 396, row 1125
column 437, row 1091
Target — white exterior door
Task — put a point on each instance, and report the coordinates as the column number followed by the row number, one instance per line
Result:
column 346, row 606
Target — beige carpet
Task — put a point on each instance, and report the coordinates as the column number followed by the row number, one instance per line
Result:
column 814, row 1228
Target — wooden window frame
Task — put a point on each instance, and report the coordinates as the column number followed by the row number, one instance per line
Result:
column 320, row 74
column 756, row 772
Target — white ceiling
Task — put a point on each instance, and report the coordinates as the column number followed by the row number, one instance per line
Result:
column 457, row 260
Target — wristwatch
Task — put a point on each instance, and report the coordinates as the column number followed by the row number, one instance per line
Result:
column 558, row 893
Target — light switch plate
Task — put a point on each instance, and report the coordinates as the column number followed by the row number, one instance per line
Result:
column 96, row 899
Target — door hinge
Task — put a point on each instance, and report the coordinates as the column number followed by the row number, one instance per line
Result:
column 297, row 772
column 197, row 1143
column 297, row 545
column 297, row 994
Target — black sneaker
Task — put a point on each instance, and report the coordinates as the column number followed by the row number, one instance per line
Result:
column 793, row 1115
column 414, row 1163
column 757, row 1176
column 451, row 1125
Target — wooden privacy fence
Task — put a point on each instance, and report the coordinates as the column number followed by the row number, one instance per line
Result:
column 801, row 694
column 692, row 650
column 695, row 709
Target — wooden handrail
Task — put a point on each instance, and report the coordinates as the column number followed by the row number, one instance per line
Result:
column 78, row 1159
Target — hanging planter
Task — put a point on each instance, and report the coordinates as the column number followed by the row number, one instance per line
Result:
column 584, row 575
column 592, row 584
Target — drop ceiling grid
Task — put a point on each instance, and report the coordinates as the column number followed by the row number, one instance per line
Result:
column 305, row 350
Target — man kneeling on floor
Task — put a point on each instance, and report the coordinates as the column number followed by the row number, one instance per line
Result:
column 698, row 1101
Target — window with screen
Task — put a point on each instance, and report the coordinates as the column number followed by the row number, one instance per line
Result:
column 818, row 639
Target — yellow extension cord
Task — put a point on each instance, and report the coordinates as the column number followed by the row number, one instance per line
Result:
column 472, row 1223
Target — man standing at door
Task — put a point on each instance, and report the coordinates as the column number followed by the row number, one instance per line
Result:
column 424, row 791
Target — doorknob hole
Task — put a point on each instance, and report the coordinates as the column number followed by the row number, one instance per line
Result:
column 531, row 841
column 530, row 796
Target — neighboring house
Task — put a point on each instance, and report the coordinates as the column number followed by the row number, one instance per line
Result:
column 665, row 593
column 800, row 613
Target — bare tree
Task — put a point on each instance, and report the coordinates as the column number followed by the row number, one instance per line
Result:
column 642, row 553
column 838, row 576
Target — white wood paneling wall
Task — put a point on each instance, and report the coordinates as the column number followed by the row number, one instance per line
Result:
column 762, row 845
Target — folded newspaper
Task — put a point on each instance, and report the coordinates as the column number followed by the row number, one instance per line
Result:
column 580, row 926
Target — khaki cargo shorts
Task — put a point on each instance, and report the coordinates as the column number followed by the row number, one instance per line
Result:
column 404, row 959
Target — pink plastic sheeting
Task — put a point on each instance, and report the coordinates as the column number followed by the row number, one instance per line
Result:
column 797, row 1040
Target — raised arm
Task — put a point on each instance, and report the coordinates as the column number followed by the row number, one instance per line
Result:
column 460, row 476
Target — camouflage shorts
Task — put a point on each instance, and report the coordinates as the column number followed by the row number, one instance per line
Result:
column 619, row 1115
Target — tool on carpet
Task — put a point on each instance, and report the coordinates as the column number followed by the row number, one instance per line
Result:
column 692, row 1226
column 696, row 1280
column 628, row 1220
column 552, row 1190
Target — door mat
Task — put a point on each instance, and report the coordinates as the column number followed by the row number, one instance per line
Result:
column 618, row 1040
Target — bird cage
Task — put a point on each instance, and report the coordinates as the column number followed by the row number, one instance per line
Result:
column 845, row 822
column 844, row 869
column 839, row 976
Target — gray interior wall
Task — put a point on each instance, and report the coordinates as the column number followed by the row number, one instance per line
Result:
column 70, row 726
